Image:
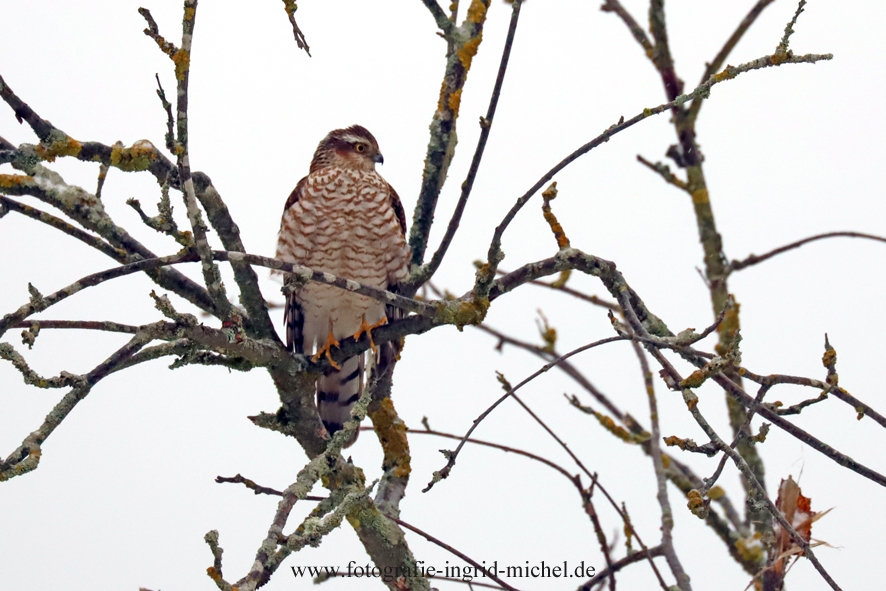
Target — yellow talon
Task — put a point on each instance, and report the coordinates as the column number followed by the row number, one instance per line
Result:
column 331, row 342
column 367, row 328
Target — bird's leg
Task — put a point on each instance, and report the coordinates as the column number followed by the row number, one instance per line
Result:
column 331, row 342
column 367, row 328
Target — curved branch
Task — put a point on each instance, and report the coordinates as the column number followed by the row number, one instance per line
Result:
column 504, row 448
column 90, row 213
column 486, row 276
column 441, row 146
column 427, row 271
column 563, row 365
column 59, row 224
column 104, row 325
column 452, row 550
column 620, row 564
column 727, row 48
column 440, row 17
column 27, row 456
column 453, row 455
column 40, row 304
column 755, row 259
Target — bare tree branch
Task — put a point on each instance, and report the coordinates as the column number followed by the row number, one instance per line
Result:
column 486, row 274
column 440, row 17
column 427, row 271
column 452, row 550
column 720, row 59
column 441, row 146
column 753, row 259
column 290, row 7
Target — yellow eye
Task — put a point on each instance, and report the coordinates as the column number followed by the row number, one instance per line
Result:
column 360, row 147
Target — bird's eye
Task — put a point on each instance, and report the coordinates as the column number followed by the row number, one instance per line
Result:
column 360, row 147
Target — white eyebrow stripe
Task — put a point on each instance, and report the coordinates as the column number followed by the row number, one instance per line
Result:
column 353, row 139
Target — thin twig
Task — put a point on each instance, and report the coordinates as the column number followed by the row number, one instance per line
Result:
column 486, row 276
column 664, row 171
column 59, row 224
column 144, row 265
column 452, row 550
column 104, row 325
column 667, row 514
column 789, row 30
column 258, row 489
column 755, row 259
column 300, row 40
column 443, row 138
column 427, row 271
column 635, row 29
column 440, row 17
column 620, row 564
column 510, row 391
column 27, row 456
column 453, row 455
column 564, row 365
column 749, row 475
column 601, row 537
column 720, row 59
column 504, row 448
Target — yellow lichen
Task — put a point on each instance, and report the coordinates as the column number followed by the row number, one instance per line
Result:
column 442, row 98
column 700, row 196
column 561, row 280
column 730, row 325
column 467, row 51
column 694, row 380
column 463, row 313
column 726, row 74
column 138, row 157
column 673, row 440
column 715, row 493
column 454, row 102
column 391, row 431
column 190, row 11
column 66, row 146
column 778, row 58
column 696, row 502
column 476, row 12
column 610, row 426
column 750, row 550
column 182, row 61
column 8, row 181
column 829, row 358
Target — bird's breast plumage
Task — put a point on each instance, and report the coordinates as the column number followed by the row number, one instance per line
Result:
column 343, row 222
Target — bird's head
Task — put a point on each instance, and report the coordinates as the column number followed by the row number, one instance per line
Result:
column 353, row 147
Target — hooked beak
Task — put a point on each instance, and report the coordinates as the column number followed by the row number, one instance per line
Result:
column 378, row 159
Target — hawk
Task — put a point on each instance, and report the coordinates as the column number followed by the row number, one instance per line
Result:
column 345, row 219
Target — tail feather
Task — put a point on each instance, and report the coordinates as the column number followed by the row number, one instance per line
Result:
column 294, row 321
column 338, row 391
column 389, row 352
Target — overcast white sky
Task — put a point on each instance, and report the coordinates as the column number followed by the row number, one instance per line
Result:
column 125, row 492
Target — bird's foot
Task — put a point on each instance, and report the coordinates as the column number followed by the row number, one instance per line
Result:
column 367, row 328
column 326, row 349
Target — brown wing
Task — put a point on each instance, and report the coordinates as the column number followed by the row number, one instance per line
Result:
column 398, row 208
column 389, row 352
column 293, row 318
column 296, row 193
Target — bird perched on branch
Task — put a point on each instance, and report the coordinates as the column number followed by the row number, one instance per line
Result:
column 345, row 219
